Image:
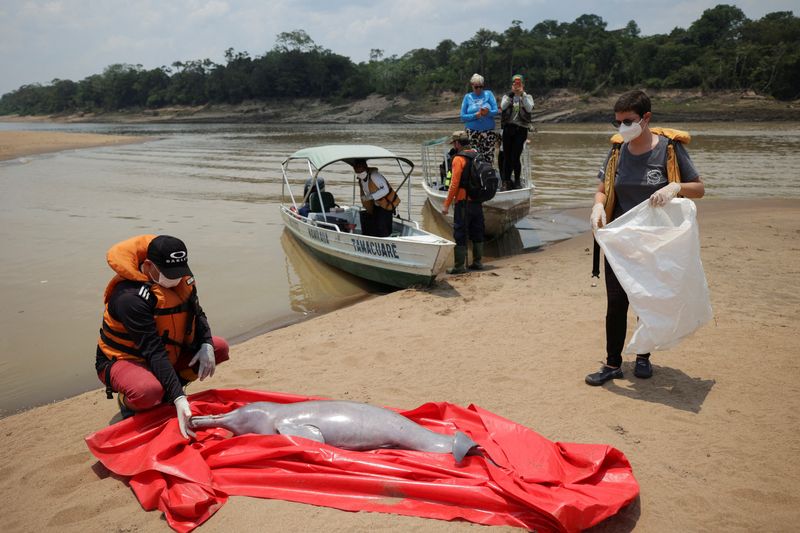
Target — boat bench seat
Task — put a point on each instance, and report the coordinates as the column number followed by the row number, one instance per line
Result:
column 341, row 219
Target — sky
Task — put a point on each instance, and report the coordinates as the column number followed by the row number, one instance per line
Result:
column 43, row 40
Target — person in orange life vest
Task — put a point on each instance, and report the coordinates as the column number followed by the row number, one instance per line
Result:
column 644, row 164
column 468, row 221
column 378, row 198
column 155, row 337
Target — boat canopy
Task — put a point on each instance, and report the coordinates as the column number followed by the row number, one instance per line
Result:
column 319, row 157
column 322, row 156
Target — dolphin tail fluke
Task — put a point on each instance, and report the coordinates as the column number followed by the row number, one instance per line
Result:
column 462, row 444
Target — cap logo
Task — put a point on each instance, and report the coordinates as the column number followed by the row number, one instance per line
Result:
column 178, row 255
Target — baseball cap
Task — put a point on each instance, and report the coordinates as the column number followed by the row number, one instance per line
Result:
column 460, row 136
column 170, row 256
column 516, row 77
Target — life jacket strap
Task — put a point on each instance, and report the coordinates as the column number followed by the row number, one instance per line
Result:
column 171, row 342
column 118, row 346
column 118, row 334
column 185, row 306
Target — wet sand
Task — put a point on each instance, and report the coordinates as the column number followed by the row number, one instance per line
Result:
column 14, row 144
column 712, row 437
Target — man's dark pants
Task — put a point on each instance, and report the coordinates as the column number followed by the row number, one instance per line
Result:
column 468, row 222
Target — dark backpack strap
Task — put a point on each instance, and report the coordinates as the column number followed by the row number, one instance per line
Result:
column 467, row 172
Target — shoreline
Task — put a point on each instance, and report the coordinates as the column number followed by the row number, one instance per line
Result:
column 707, row 438
column 556, row 106
column 17, row 144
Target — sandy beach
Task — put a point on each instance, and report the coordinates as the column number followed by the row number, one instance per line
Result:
column 712, row 437
column 14, row 144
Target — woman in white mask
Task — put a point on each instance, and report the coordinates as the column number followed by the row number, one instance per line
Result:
column 643, row 164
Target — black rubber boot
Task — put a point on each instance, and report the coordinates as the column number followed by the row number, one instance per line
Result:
column 460, row 255
column 477, row 255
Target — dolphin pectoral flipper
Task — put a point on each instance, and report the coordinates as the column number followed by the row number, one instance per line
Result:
column 462, row 444
column 301, row 430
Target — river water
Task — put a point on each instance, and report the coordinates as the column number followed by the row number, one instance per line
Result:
column 218, row 188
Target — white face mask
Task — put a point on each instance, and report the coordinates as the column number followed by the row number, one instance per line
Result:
column 362, row 175
column 629, row 133
column 166, row 282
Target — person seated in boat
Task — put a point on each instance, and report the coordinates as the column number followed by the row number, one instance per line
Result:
column 310, row 192
column 377, row 197
column 312, row 196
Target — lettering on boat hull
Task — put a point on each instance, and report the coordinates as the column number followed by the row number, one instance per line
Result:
column 318, row 235
column 378, row 249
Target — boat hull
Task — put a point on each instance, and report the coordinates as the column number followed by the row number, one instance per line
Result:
column 500, row 213
column 400, row 261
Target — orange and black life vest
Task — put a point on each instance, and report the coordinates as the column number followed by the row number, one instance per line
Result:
column 175, row 312
column 673, row 170
column 390, row 201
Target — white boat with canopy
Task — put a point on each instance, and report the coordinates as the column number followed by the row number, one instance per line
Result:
column 409, row 256
column 501, row 212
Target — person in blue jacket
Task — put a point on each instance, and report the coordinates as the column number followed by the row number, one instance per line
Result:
column 478, row 110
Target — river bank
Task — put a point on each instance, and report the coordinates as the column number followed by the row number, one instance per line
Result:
column 558, row 106
column 708, row 436
column 14, row 144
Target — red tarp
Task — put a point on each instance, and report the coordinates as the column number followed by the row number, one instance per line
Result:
column 535, row 483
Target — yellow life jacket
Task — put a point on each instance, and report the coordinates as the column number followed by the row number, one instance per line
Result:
column 388, row 202
column 174, row 315
column 673, row 171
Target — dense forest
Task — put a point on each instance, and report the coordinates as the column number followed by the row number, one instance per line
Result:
column 722, row 50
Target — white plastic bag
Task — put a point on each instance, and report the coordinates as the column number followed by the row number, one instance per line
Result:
column 655, row 253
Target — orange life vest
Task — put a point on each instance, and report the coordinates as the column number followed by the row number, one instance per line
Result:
column 175, row 311
column 390, row 201
column 673, row 170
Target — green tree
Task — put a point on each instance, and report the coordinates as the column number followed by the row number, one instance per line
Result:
column 297, row 40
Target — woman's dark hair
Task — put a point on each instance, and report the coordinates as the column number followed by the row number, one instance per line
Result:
column 636, row 101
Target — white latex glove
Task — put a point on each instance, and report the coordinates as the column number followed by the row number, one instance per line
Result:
column 598, row 216
column 207, row 361
column 184, row 413
column 663, row 195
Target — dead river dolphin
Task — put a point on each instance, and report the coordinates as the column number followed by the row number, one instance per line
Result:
column 348, row 425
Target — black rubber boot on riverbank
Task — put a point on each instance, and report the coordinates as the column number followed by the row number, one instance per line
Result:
column 460, row 255
column 477, row 255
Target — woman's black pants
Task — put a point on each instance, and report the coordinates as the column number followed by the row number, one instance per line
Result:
column 616, row 319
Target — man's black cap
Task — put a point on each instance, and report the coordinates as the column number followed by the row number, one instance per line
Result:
column 170, row 256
